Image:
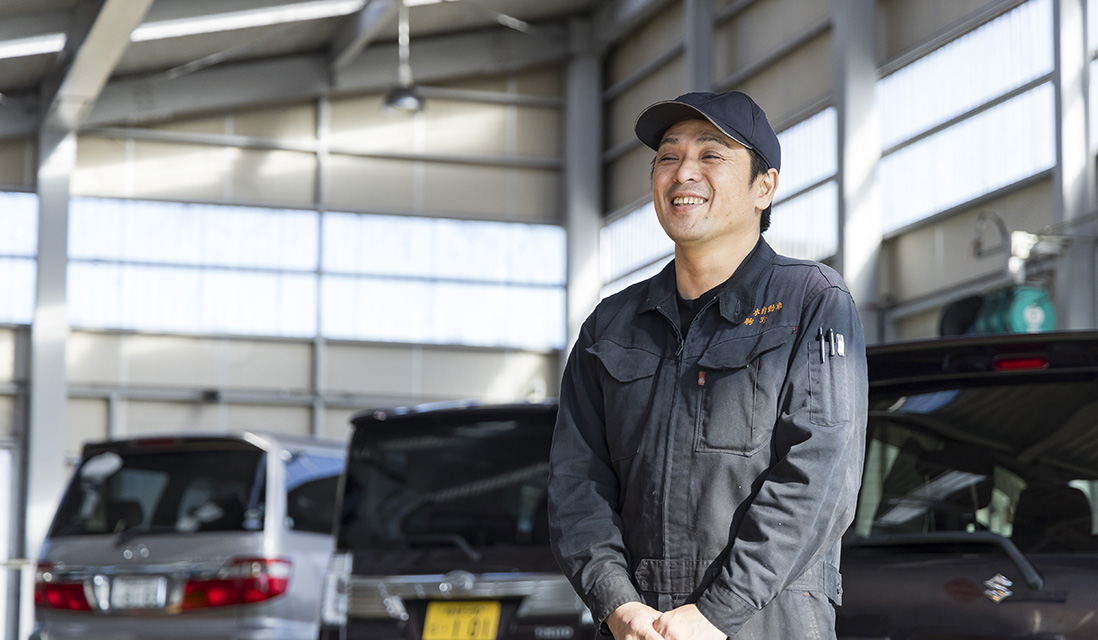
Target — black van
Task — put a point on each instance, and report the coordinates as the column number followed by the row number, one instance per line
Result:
column 978, row 513
column 442, row 531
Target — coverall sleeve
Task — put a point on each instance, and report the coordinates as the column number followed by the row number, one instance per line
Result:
column 807, row 499
column 584, row 515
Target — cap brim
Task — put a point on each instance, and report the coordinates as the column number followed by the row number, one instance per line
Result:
column 654, row 121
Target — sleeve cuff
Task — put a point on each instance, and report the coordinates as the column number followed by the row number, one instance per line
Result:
column 609, row 594
column 726, row 610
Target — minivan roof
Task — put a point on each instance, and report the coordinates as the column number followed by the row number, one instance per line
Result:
column 268, row 441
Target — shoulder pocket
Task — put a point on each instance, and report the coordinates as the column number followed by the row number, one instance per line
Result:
column 738, row 385
column 627, row 394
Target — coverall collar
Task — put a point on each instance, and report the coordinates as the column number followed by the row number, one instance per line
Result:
column 737, row 297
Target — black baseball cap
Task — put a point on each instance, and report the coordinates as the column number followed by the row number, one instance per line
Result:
column 734, row 113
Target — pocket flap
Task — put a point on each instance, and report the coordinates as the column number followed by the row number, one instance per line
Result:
column 735, row 354
column 623, row 363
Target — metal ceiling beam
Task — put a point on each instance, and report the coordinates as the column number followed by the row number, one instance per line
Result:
column 438, row 59
column 17, row 27
column 358, row 30
column 95, row 52
column 614, row 20
column 164, row 10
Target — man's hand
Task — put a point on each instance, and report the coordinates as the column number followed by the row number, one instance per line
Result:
column 686, row 623
column 633, row 621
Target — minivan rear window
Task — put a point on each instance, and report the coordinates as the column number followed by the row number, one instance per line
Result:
column 131, row 491
column 1017, row 458
column 448, row 482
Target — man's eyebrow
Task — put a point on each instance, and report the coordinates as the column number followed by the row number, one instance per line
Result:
column 721, row 140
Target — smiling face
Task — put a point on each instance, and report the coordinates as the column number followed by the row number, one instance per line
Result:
column 703, row 188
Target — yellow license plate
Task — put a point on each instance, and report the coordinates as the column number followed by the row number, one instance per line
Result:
column 461, row 621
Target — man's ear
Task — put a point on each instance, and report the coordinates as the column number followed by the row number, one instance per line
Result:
column 766, row 185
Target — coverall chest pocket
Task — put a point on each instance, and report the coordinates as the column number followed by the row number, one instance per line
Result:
column 627, row 393
column 738, row 385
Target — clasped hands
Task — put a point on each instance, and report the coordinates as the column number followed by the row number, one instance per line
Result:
column 638, row 621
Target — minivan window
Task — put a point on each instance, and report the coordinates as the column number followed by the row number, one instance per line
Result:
column 164, row 491
column 311, row 483
column 470, row 484
column 1019, row 460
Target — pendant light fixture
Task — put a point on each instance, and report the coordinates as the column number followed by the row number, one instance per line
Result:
column 403, row 98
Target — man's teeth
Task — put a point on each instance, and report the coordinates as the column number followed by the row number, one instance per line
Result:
column 687, row 200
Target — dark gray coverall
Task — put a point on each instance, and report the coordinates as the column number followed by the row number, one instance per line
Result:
column 720, row 467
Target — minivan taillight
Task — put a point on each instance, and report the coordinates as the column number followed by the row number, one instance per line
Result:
column 245, row 581
column 52, row 593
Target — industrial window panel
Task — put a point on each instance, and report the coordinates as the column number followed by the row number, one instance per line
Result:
column 1000, row 56
column 991, row 150
column 807, row 226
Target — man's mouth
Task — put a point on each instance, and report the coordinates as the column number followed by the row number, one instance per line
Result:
column 679, row 201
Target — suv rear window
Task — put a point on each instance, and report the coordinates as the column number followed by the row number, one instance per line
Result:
column 1016, row 458
column 115, row 491
column 431, row 481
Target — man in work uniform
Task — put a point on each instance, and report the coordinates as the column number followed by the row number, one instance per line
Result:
column 708, row 450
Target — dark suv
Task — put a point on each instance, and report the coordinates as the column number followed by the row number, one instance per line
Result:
column 443, row 530
column 977, row 515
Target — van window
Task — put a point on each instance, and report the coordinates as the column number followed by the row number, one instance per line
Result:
column 311, row 484
column 984, row 458
column 164, row 491
column 432, row 481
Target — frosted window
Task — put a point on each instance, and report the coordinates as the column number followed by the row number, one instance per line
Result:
column 807, row 226
column 188, row 300
column 632, row 242
column 363, row 308
column 18, row 224
column 809, row 153
column 633, row 277
column 1093, row 90
column 192, row 234
column 18, row 246
column 969, row 159
column 443, row 248
column 1000, row 56
column 443, row 281
column 1092, row 26
column 17, row 290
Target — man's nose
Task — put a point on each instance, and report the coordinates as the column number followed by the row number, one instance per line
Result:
column 687, row 171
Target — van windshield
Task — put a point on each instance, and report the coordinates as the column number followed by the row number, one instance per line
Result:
column 1019, row 460
column 448, row 482
column 129, row 491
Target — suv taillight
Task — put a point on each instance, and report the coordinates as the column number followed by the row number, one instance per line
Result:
column 246, row 580
column 53, row 593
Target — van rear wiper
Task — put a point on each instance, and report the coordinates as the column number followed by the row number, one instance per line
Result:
column 130, row 533
column 1033, row 578
column 452, row 538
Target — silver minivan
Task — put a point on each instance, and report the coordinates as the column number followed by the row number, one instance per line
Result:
column 196, row 536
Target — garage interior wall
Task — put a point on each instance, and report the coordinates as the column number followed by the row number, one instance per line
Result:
column 460, row 158
column 492, row 149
